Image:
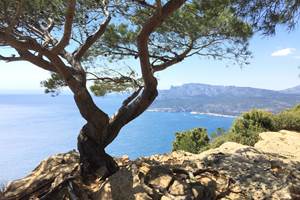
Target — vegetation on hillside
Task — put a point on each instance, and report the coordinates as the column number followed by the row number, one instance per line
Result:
column 288, row 119
column 245, row 130
column 194, row 140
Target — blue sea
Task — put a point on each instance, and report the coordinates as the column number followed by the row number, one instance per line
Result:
column 33, row 127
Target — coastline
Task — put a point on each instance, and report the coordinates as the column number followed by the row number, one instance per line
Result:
column 212, row 114
column 192, row 112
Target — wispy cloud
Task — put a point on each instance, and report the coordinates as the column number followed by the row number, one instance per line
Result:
column 283, row 52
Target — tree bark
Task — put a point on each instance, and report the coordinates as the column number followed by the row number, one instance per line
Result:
column 92, row 153
column 92, row 138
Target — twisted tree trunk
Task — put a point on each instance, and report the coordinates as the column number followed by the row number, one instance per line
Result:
column 100, row 131
column 92, row 153
column 92, row 138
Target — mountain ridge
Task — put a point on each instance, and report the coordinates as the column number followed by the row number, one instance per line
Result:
column 226, row 100
column 292, row 90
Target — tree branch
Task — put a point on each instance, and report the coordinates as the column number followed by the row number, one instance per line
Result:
column 50, row 25
column 38, row 61
column 10, row 58
column 23, row 47
column 105, row 79
column 175, row 60
column 67, row 28
column 142, row 101
column 132, row 96
column 145, row 4
column 80, row 52
column 143, row 38
column 14, row 22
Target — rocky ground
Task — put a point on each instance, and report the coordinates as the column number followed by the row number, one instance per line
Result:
column 270, row 170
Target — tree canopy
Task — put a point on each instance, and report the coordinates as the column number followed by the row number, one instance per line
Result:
column 266, row 15
column 197, row 28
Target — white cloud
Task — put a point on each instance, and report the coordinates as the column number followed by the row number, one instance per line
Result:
column 283, row 52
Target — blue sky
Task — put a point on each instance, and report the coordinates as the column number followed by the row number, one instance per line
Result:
column 274, row 66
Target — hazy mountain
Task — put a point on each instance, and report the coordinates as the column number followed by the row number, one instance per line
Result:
column 229, row 100
column 293, row 90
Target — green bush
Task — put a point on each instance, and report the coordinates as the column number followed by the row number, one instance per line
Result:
column 255, row 120
column 194, row 141
column 217, row 133
column 219, row 140
column 245, row 129
column 288, row 119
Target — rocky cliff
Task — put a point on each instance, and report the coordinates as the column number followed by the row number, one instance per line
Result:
column 270, row 170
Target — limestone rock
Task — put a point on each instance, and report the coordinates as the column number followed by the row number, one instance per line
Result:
column 162, row 181
column 283, row 143
column 178, row 188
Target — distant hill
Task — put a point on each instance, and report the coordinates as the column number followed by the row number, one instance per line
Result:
column 293, row 90
column 226, row 100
